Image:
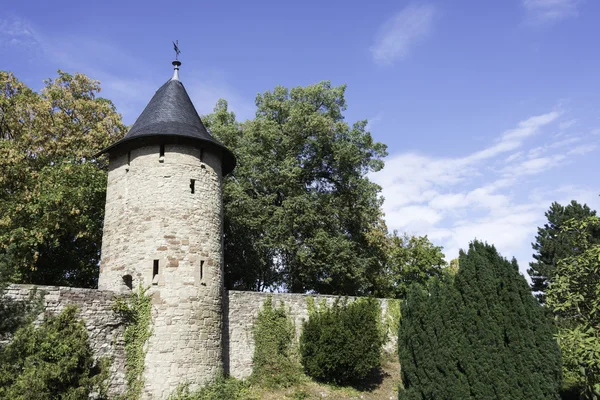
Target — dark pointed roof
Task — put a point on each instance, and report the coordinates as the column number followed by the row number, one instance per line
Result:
column 171, row 117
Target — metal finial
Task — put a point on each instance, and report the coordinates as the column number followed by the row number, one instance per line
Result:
column 176, row 48
column 176, row 63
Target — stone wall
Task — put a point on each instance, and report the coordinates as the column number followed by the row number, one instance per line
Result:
column 104, row 327
column 241, row 310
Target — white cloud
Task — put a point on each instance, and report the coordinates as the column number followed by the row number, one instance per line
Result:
column 546, row 11
column 485, row 194
column 399, row 34
column 371, row 122
column 567, row 124
column 17, row 32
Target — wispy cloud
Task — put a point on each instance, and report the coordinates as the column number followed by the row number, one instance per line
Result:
column 487, row 194
column 546, row 11
column 17, row 32
column 398, row 35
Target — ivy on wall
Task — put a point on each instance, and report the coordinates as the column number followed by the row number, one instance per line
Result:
column 135, row 309
column 275, row 358
column 392, row 317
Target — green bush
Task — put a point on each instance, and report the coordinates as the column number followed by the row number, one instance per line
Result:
column 478, row 335
column 52, row 361
column 222, row 388
column 275, row 357
column 342, row 344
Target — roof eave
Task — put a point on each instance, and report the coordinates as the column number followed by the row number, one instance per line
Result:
column 127, row 143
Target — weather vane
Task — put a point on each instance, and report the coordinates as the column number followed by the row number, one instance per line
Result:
column 176, row 48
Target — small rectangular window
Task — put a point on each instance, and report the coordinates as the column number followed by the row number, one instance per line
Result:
column 155, row 273
column 129, row 158
column 201, row 269
column 201, row 154
column 162, row 150
column 193, row 185
column 128, row 281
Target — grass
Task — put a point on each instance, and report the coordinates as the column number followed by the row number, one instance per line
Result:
column 382, row 386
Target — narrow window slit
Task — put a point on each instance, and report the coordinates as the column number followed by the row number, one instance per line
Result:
column 201, row 154
column 128, row 281
column 193, row 185
column 128, row 158
column 155, row 273
column 162, row 150
column 201, row 269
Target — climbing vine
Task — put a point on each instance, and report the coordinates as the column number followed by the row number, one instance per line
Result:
column 135, row 309
column 275, row 354
column 392, row 317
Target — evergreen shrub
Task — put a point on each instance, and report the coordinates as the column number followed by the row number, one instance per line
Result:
column 342, row 344
column 51, row 361
column 479, row 334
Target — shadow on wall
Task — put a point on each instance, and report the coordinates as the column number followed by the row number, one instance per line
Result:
column 225, row 335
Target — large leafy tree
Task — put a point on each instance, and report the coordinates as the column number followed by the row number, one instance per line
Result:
column 552, row 243
column 478, row 334
column 299, row 206
column 574, row 296
column 408, row 260
column 52, row 188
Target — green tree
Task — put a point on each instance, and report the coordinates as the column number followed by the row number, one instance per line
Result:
column 52, row 188
column 299, row 206
column 574, row 295
column 52, row 361
column 479, row 334
column 552, row 243
column 409, row 260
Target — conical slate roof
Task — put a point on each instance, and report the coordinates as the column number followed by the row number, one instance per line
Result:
column 170, row 117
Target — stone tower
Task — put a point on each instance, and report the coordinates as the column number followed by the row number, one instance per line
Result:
column 163, row 229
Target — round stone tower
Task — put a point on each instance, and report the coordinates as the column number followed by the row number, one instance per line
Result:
column 163, row 230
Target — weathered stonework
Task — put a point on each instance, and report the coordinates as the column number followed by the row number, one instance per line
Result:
column 104, row 327
column 105, row 330
column 241, row 310
column 165, row 213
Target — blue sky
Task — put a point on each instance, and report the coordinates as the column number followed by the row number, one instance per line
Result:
column 490, row 109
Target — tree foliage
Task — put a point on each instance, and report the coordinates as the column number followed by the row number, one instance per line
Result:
column 574, row 295
column 52, row 361
column 478, row 334
column 52, row 188
column 342, row 344
column 406, row 260
column 299, row 206
column 553, row 243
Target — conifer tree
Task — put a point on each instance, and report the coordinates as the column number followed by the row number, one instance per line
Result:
column 478, row 335
column 552, row 243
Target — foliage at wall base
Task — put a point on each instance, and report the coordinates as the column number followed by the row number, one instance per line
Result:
column 51, row 361
column 342, row 344
column 135, row 310
column 222, row 388
column 275, row 361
